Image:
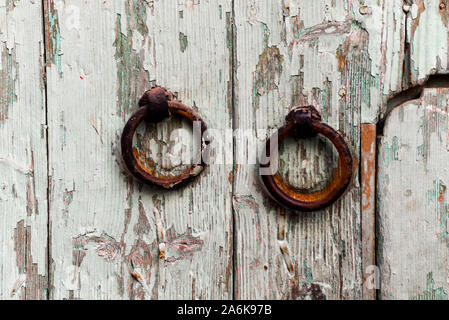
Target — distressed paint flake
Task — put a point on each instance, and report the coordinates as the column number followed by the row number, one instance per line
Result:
column 268, row 69
column 35, row 285
column 105, row 246
column 9, row 73
column 429, row 55
column 132, row 77
column 183, row 41
column 431, row 293
column 53, row 44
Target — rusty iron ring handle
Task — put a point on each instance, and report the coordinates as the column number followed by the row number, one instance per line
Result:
column 156, row 105
column 304, row 122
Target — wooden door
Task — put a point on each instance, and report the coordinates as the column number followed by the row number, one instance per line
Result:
column 76, row 226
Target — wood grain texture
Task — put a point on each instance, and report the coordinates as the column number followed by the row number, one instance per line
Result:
column 412, row 199
column 111, row 237
column 23, row 157
column 291, row 53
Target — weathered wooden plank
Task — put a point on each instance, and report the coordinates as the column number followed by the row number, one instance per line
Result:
column 428, row 30
column 290, row 53
column 368, row 180
column 412, row 199
column 23, row 157
column 385, row 23
column 113, row 238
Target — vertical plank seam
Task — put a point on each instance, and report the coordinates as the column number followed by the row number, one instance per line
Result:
column 45, row 84
column 409, row 92
column 406, row 66
column 233, row 75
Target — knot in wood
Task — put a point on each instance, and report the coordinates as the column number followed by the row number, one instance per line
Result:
column 156, row 101
column 303, row 117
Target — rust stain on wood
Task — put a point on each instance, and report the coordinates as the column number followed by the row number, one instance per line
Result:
column 368, row 180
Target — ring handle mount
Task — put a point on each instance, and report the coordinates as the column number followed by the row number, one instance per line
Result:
column 156, row 105
column 305, row 122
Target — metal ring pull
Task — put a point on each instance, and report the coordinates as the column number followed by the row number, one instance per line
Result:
column 156, row 105
column 305, row 122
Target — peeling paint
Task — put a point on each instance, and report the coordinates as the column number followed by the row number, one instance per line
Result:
column 143, row 261
column 391, row 152
column 143, row 225
column 308, row 291
column 35, row 286
column 183, row 42
column 67, row 199
column 180, row 247
column 431, row 293
column 105, row 246
column 133, row 79
column 53, row 36
column 245, row 202
column 268, row 69
column 9, row 73
column 438, row 199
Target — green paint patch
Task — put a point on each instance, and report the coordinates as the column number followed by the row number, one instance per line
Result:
column 132, row 77
column 431, row 293
column 53, row 37
column 324, row 98
column 391, row 152
column 8, row 75
column 183, row 41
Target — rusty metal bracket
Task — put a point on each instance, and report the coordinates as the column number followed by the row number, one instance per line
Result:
column 156, row 105
column 305, row 122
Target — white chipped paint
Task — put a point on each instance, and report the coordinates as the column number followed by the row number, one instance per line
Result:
column 429, row 40
column 413, row 207
column 23, row 168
